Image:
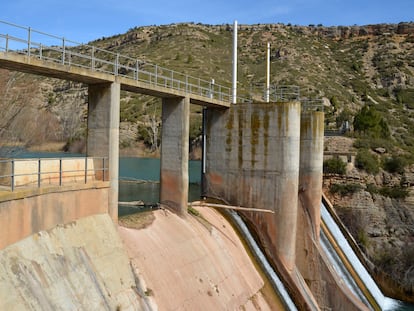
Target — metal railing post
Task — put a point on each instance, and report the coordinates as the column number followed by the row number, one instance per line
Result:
column 137, row 69
column 60, row 171
column 103, row 169
column 7, row 43
column 93, row 58
column 156, row 74
column 86, row 169
column 40, row 51
column 63, row 51
column 12, row 175
column 29, row 39
column 116, row 64
column 38, row 173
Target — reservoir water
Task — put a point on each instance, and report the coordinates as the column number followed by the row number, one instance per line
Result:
column 139, row 181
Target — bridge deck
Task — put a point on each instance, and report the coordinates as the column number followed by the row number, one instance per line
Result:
column 33, row 65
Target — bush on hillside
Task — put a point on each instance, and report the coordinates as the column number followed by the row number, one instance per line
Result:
column 367, row 161
column 394, row 164
column 334, row 166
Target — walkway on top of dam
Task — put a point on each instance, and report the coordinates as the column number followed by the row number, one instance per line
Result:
column 27, row 50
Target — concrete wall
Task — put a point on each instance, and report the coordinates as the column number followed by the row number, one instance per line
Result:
column 24, row 213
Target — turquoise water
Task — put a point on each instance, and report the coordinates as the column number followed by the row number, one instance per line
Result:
column 139, row 181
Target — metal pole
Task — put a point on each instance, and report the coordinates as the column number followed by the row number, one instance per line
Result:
column 60, row 172
column 38, row 173
column 63, row 51
column 93, row 58
column 29, row 35
column 103, row 169
column 234, row 99
column 7, row 43
column 268, row 73
column 12, row 175
column 86, row 169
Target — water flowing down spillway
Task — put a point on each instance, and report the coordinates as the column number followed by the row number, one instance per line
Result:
column 254, row 247
column 384, row 302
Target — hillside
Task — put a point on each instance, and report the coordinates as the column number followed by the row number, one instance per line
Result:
column 347, row 67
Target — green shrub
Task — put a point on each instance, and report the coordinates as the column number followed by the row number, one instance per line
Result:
column 345, row 189
column 394, row 165
column 371, row 188
column 367, row 161
column 396, row 192
column 334, row 166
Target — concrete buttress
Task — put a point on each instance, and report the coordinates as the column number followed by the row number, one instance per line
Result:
column 174, row 154
column 103, row 134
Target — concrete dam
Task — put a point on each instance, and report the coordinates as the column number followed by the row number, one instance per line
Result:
column 60, row 244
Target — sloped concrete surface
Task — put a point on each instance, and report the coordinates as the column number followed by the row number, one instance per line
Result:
column 78, row 266
column 195, row 263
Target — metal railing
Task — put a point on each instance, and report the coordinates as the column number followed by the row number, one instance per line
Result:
column 37, row 172
column 47, row 47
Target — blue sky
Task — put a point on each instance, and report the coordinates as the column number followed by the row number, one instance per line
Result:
column 86, row 20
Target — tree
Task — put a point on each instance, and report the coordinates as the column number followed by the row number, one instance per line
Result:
column 369, row 122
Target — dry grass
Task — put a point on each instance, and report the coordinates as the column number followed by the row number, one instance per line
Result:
column 137, row 221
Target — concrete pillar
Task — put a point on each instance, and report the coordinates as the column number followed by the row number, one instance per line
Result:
column 311, row 165
column 310, row 196
column 103, row 134
column 174, row 154
column 286, row 198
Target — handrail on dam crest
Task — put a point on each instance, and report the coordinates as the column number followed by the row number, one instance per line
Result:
column 50, row 48
column 37, row 172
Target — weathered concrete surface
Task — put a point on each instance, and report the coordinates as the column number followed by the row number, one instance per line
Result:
column 25, row 212
column 103, row 134
column 174, row 154
column 253, row 160
column 195, row 263
column 78, row 266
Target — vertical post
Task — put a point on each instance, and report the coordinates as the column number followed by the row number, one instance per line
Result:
column 12, row 175
column 60, row 171
column 116, row 64
column 38, row 173
column 86, row 169
column 63, row 51
column 268, row 73
column 103, row 169
column 234, row 94
column 137, row 69
column 7, row 43
column 204, row 152
column 41, row 51
column 93, row 58
column 29, row 39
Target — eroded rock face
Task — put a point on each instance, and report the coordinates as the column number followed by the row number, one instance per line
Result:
column 382, row 226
